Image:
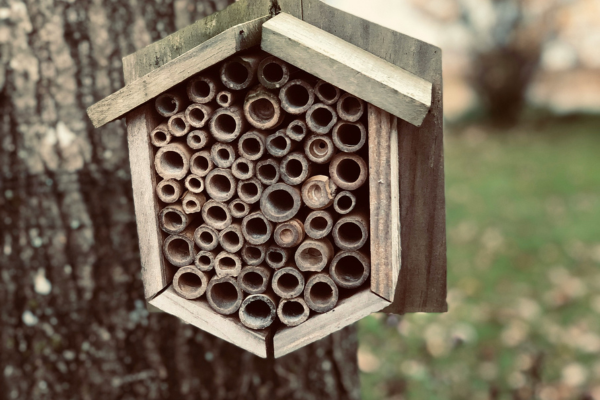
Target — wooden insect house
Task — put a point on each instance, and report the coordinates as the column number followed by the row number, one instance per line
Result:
column 287, row 171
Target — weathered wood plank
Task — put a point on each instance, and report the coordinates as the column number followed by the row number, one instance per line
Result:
column 156, row 275
column 347, row 66
column 422, row 284
column 199, row 314
column 384, row 202
column 346, row 312
column 205, row 55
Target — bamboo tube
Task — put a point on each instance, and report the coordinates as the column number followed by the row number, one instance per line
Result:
column 344, row 202
column 198, row 139
column 243, row 168
column 251, row 145
column 179, row 125
column 239, row 72
column 262, row 108
column 190, row 283
column 160, row 136
column 293, row 312
column 197, row 115
column 351, row 231
column 279, row 144
column 226, row 98
column 206, row 237
column 250, row 190
column 318, row 192
column 288, row 282
column 348, row 171
column 231, row 238
column 173, row 219
column 170, row 103
column 289, row 233
column 280, row 202
column 253, row 254
column 227, row 124
column 349, row 137
column 258, row 311
column 228, row 264
column 350, row 269
column 314, row 254
column 220, row 184
column 194, row 183
column 254, row 279
column 256, row 228
column 294, row 168
column 222, row 154
column 238, row 208
column 193, row 202
column 296, row 96
column 273, row 73
column 216, row 214
column 350, row 108
column 318, row 224
column 201, row 163
column 205, row 260
column 179, row 248
column 267, row 171
column 202, row 88
column 277, row 257
column 327, row 93
column 319, row 148
column 173, row 161
column 320, row 118
column 320, row 293
column 296, row 130
column 169, row 190
column 224, row 295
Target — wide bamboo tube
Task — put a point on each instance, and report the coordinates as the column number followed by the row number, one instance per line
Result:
column 349, row 137
column 314, row 254
column 160, row 136
column 289, row 233
column 198, row 115
column 173, row 161
column 318, row 192
column 222, row 154
column 280, row 202
column 249, row 190
column 224, row 295
column 190, row 283
column 348, row 171
column 288, row 282
column 173, row 218
column 350, row 269
column 179, row 248
column 239, row 72
column 273, row 73
column 216, row 214
column 231, row 238
column 220, row 184
column 169, row 190
column 206, row 237
column 294, row 168
column 227, row 124
column 279, row 144
column 201, row 163
column 351, row 231
column 296, row 96
column 251, row 145
column 293, row 312
column 350, row 108
column 318, row 224
column 327, row 93
column 179, row 125
column 262, row 108
column 254, row 254
column 319, row 148
column 170, row 103
column 258, row 311
column 256, row 228
column 320, row 118
column 267, row 171
column 344, row 202
column 228, row 264
column 202, row 88
column 321, row 293
column 254, row 279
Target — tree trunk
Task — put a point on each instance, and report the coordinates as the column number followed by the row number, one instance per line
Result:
column 74, row 323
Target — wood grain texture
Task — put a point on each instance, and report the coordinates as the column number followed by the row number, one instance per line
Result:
column 156, row 275
column 422, row 283
column 206, row 54
column 384, row 193
column 346, row 312
column 228, row 328
column 347, row 66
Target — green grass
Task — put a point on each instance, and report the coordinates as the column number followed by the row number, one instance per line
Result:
column 523, row 228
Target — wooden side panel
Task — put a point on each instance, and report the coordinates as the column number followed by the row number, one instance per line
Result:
column 349, row 67
column 318, row 326
column 422, row 285
column 156, row 275
column 199, row 314
column 384, row 202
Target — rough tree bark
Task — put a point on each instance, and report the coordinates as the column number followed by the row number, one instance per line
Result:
column 73, row 323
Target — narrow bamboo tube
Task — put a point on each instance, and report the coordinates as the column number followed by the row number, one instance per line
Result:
column 267, row 171
column 238, row 208
column 256, row 228
column 198, row 139
column 190, row 283
column 224, row 295
column 320, row 118
column 179, row 248
column 228, row 264
column 318, row 224
column 280, row 202
column 249, row 190
column 273, row 73
column 169, row 190
column 318, row 192
column 350, row 269
column 344, row 202
column 254, row 254
column 173, row 219
column 231, row 238
column 279, row 144
column 349, row 137
column 351, row 231
column 193, row 202
column 289, row 233
column 296, row 130
column 227, row 124
column 220, row 184
column 179, row 125
column 206, row 237
column 216, row 214
column 251, row 145
column 197, row 115
column 160, row 136
column 222, row 154
column 201, row 163
column 226, row 98
column 239, row 72
column 242, row 168
column 202, row 88
column 258, row 311
column 262, row 108
column 314, row 254
column 173, row 161
column 350, row 108
column 288, row 282
column 348, row 171
column 254, row 279
column 205, row 260
column 277, row 257
column 319, row 148
column 170, row 103
column 294, row 168
column 194, row 183
column 297, row 96
column 327, row 93
column 321, row 293
column 293, row 312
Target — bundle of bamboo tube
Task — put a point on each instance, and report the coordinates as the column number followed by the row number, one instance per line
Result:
column 261, row 179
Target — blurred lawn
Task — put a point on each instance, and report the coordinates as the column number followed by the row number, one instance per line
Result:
column 523, row 219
